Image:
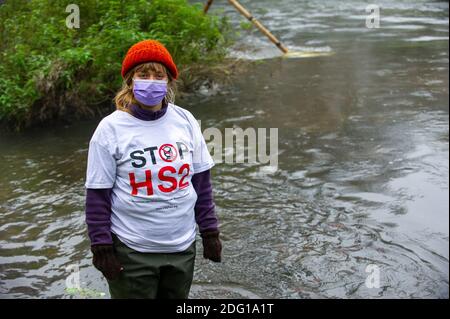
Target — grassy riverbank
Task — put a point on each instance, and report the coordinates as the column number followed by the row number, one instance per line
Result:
column 50, row 72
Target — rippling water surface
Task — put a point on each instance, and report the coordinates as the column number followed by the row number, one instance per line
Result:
column 362, row 176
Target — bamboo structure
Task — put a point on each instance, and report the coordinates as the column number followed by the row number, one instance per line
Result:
column 207, row 5
column 263, row 29
column 253, row 20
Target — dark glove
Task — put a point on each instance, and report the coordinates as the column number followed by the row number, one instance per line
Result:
column 106, row 261
column 212, row 247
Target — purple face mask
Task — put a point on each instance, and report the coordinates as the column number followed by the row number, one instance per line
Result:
column 149, row 92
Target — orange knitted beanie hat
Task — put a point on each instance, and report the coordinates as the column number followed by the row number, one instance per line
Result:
column 148, row 51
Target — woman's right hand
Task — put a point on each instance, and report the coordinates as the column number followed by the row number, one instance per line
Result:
column 106, row 261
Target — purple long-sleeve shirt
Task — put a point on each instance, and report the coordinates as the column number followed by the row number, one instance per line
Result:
column 98, row 201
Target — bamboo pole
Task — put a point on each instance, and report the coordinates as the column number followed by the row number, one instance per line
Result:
column 207, row 5
column 253, row 20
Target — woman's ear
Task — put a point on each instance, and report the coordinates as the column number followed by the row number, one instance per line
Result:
column 130, row 82
column 169, row 76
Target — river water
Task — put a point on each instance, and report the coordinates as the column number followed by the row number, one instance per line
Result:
column 361, row 187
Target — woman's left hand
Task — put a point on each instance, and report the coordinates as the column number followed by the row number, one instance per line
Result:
column 212, row 246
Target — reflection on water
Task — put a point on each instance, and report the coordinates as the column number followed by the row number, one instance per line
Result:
column 362, row 179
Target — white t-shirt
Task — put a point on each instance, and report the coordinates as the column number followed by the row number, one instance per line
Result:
column 149, row 165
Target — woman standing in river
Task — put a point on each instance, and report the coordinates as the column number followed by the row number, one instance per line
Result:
column 148, row 184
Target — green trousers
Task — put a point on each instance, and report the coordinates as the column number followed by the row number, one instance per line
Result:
column 153, row 275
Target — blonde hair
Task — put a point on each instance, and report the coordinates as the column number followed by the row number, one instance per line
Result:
column 125, row 97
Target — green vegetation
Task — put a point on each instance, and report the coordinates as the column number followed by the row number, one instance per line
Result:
column 49, row 71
